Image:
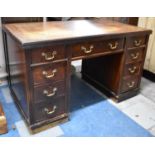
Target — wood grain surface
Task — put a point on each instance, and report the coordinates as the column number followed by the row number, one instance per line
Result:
column 27, row 33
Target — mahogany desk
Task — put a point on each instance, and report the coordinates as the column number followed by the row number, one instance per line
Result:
column 39, row 55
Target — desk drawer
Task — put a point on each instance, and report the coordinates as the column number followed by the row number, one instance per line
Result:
column 91, row 48
column 129, row 83
column 49, row 92
column 49, row 73
column 136, row 41
column 135, row 55
column 48, row 54
column 49, row 110
column 132, row 69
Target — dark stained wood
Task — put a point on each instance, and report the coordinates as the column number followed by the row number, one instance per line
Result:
column 49, row 109
column 3, row 121
column 133, row 21
column 132, row 69
column 104, row 66
column 54, row 18
column 124, row 81
column 85, row 49
column 55, row 89
column 136, row 41
column 142, row 63
column 129, row 83
column 53, row 72
column 105, row 71
column 48, row 54
column 20, row 19
column 28, row 33
column 134, row 55
column 127, row 20
column 18, row 74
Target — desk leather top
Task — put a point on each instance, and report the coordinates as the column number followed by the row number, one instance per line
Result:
column 27, row 33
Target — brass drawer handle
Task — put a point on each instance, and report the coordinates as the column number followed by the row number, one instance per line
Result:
column 51, row 75
column 113, row 46
column 49, row 56
column 134, row 56
column 50, row 112
column 85, row 49
column 132, row 70
column 131, row 84
column 50, row 94
column 137, row 42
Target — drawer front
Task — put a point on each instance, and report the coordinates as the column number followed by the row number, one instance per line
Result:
column 49, row 110
column 132, row 69
column 136, row 41
column 134, row 55
column 48, row 54
column 91, row 48
column 49, row 73
column 129, row 84
column 49, row 92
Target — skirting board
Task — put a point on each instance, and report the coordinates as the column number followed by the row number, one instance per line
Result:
column 149, row 75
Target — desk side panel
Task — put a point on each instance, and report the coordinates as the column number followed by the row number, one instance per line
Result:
column 17, row 74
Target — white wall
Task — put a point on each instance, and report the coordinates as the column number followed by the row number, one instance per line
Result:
column 149, row 23
column 2, row 59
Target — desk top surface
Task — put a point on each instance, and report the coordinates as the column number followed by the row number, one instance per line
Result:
column 27, row 33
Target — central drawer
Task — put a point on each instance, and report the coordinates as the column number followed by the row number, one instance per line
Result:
column 84, row 49
column 49, row 73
